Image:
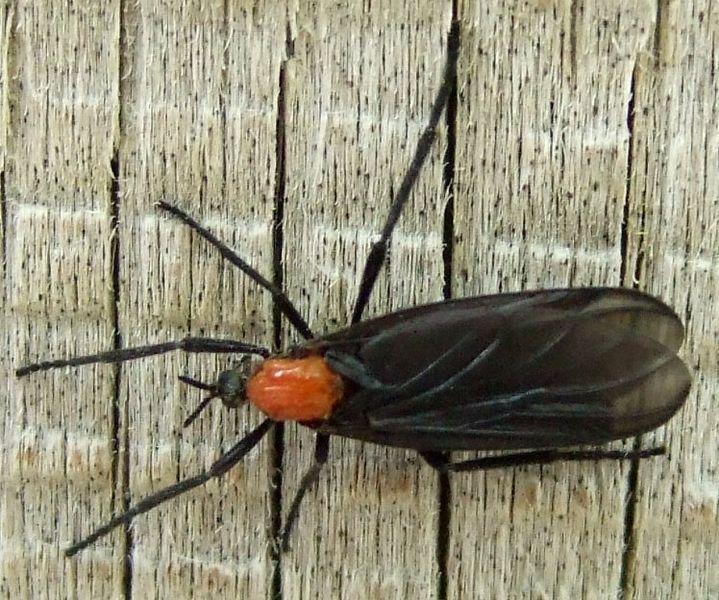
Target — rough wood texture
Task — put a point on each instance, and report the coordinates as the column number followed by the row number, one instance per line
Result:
column 371, row 532
column 586, row 153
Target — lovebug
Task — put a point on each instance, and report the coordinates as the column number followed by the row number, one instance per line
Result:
column 536, row 371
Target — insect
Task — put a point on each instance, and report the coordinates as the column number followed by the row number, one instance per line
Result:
column 536, row 371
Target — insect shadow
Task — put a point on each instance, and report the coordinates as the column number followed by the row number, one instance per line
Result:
column 537, row 371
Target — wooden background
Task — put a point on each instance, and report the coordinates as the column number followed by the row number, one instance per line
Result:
column 586, row 152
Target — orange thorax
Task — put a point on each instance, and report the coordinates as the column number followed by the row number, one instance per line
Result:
column 295, row 389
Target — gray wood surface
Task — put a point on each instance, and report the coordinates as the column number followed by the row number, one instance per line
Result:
column 587, row 150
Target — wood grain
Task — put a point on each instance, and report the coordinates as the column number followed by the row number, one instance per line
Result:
column 587, row 144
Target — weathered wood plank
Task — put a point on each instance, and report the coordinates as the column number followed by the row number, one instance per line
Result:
column 60, row 100
column 675, row 229
column 586, row 153
column 359, row 90
column 199, row 118
column 542, row 156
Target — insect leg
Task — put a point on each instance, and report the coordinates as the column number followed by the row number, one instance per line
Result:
column 223, row 464
column 379, row 248
column 282, row 301
column 188, row 344
column 321, row 451
column 441, row 462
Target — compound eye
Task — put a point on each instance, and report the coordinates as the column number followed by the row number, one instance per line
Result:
column 230, row 388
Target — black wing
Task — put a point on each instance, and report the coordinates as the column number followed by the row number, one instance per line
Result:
column 536, row 369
